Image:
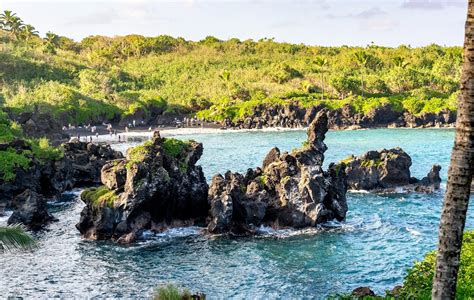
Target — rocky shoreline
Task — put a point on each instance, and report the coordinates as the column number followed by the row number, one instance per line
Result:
column 294, row 116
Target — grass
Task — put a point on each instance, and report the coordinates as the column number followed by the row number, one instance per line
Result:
column 172, row 292
column 100, row 196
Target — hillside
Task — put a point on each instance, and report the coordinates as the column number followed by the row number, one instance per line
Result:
column 103, row 78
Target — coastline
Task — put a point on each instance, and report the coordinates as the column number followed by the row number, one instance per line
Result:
column 179, row 131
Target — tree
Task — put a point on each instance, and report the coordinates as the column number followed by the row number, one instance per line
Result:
column 362, row 60
column 11, row 23
column 51, row 42
column 6, row 18
column 225, row 77
column 15, row 27
column 321, row 62
column 14, row 237
column 456, row 200
column 28, row 32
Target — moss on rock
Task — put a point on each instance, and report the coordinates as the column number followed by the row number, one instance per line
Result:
column 99, row 196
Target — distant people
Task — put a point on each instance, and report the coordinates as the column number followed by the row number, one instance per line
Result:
column 119, row 138
column 91, row 138
column 134, row 123
column 115, row 132
column 149, row 128
column 126, row 128
column 97, row 135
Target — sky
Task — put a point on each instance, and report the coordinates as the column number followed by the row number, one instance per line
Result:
column 311, row 22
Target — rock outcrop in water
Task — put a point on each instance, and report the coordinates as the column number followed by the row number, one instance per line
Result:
column 79, row 166
column 30, row 211
column 158, row 185
column 290, row 190
column 387, row 171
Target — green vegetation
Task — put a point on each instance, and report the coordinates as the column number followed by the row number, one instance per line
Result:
column 10, row 159
column 14, row 237
column 369, row 163
column 100, row 196
column 172, row 292
column 43, row 151
column 137, row 154
column 174, row 147
column 108, row 77
column 348, row 159
column 418, row 281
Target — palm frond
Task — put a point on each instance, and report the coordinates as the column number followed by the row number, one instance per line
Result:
column 14, row 237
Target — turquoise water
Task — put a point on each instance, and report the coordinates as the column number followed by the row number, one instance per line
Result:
column 382, row 236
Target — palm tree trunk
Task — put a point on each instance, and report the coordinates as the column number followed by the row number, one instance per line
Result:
column 458, row 187
column 322, row 86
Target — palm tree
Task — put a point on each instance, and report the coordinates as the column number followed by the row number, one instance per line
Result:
column 28, row 31
column 321, row 62
column 456, row 200
column 15, row 27
column 6, row 18
column 225, row 77
column 51, row 42
column 14, row 237
column 362, row 60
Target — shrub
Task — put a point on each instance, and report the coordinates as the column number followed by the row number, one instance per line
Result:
column 44, row 152
column 174, row 147
column 9, row 161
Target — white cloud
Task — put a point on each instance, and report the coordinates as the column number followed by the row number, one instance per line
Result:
column 379, row 25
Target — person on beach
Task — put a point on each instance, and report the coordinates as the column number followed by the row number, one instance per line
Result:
column 126, row 128
column 133, row 123
column 119, row 138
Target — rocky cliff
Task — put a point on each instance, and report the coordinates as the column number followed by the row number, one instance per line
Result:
column 157, row 186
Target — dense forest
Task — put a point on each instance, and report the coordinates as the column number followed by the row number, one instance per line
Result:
column 107, row 77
